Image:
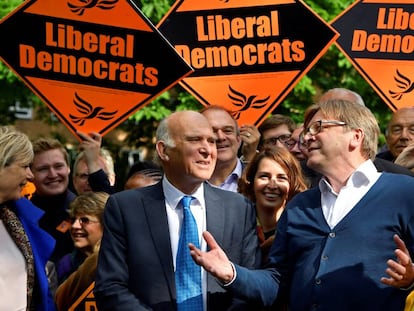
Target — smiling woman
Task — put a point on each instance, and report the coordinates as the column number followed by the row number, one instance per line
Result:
column 86, row 213
column 270, row 180
column 25, row 247
column 76, row 270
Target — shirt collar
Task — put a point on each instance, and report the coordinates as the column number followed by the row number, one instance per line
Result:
column 238, row 170
column 173, row 196
column 365, row 174
column 235, row 174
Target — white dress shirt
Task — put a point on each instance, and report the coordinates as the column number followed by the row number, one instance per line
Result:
column 336, row 206
column 175, row 214
column 13, row 274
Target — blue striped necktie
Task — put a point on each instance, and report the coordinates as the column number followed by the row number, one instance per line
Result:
column 187, row 272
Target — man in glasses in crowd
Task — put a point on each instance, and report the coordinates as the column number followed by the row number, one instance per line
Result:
column 293, row 144
column 280, row 130
column 344, row 245
column 276, row 131
column 381, row 164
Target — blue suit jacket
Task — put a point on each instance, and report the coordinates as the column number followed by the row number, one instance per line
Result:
column 42, row 245
column 135, row 266
column 316, row 267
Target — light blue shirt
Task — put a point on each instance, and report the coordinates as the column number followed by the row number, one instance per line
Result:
column 231, row 182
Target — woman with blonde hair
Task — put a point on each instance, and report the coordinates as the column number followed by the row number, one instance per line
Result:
column 25, row 247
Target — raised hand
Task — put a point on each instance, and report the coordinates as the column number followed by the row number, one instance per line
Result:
column 91, row 145
column 401, row 270
column 250, row 136
column 214, row 261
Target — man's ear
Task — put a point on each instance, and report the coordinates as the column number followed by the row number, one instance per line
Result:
column 357, row 138
column 162, row 150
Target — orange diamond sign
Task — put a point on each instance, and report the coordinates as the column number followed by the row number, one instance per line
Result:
column 92, row 62
column 247, row 54
column 377, row 37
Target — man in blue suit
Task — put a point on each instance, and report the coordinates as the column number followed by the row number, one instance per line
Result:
column 137, row 260
column 344, row 245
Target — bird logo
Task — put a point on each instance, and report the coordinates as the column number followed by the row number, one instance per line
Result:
column 404, row 84
column 89, row 112
column 245, row 102
column 79, row 6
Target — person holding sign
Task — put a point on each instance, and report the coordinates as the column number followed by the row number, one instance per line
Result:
column 93, row 168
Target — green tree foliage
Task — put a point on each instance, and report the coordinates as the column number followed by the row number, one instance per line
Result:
column 332, row 70
column 12, row 89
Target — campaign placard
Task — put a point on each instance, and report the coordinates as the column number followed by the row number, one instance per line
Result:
column 377, row 37
column 93, row 63
column 246, row 55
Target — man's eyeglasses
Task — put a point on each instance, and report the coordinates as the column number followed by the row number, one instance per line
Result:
column 82, row 220
column 273, row 140
column 316, row 127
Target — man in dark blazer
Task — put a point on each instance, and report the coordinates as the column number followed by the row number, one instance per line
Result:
column 137, row 256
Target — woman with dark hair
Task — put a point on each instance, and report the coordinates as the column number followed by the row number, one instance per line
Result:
column 270, row 180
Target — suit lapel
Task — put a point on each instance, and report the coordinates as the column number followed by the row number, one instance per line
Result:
column 154, row 206
column 214, row 213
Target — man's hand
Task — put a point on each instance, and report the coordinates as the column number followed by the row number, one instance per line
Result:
column 250, row 136
column 406, row 157
column 400, row 271
column 214, row 261
column 91, row 145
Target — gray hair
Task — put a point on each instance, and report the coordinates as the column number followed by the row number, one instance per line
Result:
column 104, row 154
column 163, row 133
column 342, row 93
